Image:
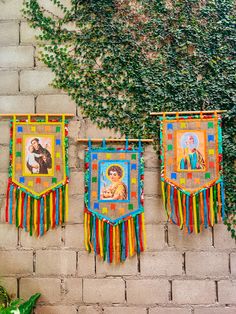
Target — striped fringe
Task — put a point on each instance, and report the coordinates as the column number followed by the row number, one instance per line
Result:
column 114, row 243
column 193, row 211
column 36, row 215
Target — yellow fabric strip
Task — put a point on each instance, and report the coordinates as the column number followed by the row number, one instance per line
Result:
column 164, row 197
column 219, row 201
column 45, row 213
column 180, row 209
column 86, row 231
column 144, row 232
column 130, row 238
column 51, row 209
column 28, row 213
column 195, row 213
column 114, row 242
column 19, row 208
column 211, row 206
column 35, row 216
column 66, row 202
column 60, row 205
column 100, row 237
column 168, row 201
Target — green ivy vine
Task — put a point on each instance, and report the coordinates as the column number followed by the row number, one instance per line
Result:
column 122, row 59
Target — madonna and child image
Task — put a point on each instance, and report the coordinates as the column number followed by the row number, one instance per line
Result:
column 191, row 151
column 38, row 155
column 113, row 183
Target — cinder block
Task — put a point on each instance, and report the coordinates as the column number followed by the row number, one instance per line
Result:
column 57, row 262
column 10, row 284
column 16, row 262
column 73, row 290
column 9, row 33
column 76, row 185
column 55, row 104
column 207, row 264
column 129, row 268
column 169, row 310
column 92, row 130
column 90, row 310
column 161, row 264
column 50, row 288
column 76, row 209
column 37, row 81
column 55, row 309
column 74, row 236
column 4, row 157
column 8, row 236
column 86, row 264
column 124, row 310
column 227, row 291
column 147, row 291
column 181, row 240
column 222, row 238
column 194, row 292
column 16, row 57
column 5, row 131
column 27, row 33
column 215, row 310
column 8, row 82
column 73, row 156
column 233, row 263
column 74, row 129
column 155, row 237
column 104, row 291
column 154, row 211
column 52, row 238
column 151, row 158
column 11, row 9
column 152, row 183
column 3, row 183
column 16, row 104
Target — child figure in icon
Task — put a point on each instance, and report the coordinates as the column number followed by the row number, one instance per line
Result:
column 117, row 190
column 192, row 158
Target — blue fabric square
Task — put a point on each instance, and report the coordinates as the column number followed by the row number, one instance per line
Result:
column 94, row 156
column 20, row 129
column 22, row 180
column 173, row 175
column 96, row 206
column 211, row 138
column 58, row 142
column 133, row 167
column 169, row 126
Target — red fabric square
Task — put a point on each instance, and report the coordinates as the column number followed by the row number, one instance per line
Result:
column 133, row 194
column 19, row 140
column 113, row 206
column 189, row 175
column 38, row 180
column 211, row 164
column 169, row 136
column 95, row 167
column 58, row 167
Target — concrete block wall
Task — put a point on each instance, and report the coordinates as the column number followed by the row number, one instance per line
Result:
column 177, row 274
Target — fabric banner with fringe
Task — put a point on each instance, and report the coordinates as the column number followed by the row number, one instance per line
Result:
column 37, row 191
column 191, row 176
column 114, row 213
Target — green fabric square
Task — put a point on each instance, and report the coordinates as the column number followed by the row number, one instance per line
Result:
column 94, row 179
column 207, row 175
column 18, row 154
column 58, row 129
column 133, row 157
column 169, row 147
column 54, row 180
column 131, row 206
column 210, row 125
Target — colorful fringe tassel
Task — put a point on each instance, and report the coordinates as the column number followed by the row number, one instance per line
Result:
column 36, row 215
column 114, row 243
column 193, row 211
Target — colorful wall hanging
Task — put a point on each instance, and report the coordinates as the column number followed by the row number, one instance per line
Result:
column 114, row 212
column 37, row 192
column 192, row 183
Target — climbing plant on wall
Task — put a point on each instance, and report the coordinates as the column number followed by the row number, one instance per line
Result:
column 121, row 59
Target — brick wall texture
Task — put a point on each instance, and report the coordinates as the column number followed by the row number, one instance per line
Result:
column 178, row 273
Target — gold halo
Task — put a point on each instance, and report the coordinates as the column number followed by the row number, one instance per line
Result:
column 118, row 166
